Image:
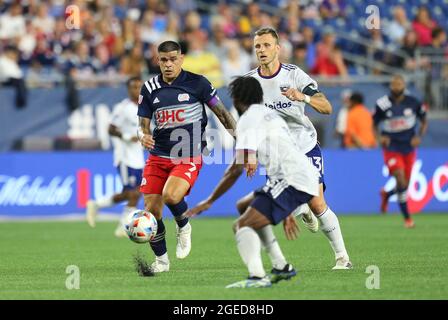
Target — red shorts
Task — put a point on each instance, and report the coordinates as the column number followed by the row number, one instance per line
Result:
column 158, row 169
column 396, row 160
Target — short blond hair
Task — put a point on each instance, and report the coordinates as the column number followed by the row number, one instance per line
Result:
column 268, row 30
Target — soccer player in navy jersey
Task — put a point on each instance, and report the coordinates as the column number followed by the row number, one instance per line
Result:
column 175, row 100
column 399, row 112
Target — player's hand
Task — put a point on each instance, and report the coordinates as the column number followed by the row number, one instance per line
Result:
column 251, row 168
column 147, row 141
column 294, row 94
column 200, row 207
column 415, row 142
column 384, row 141
column 291, row 227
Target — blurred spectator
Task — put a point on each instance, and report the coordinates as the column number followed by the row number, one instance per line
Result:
column 359, row 131
column 396, row 29
column 133, row 63
column 192, row 21
column 228, row 15
column 27, row 42
column 120, row 9
column 152, row 63
column 79, row 65
column 247, row 44
column 43, row 22
column 217, row 42
column 181, row 7
column 299, row 56
column 236, row 62
column 12, row 75
column 149, row 34
column 286, row 48
column 423, row 26
column 330, row 9
column 292, row 29
column 341, row 118
column 311, row 50
column 199, row 61
column 43, row 53
column 409, row 48
column 329, row 61
column 310, row 9
column 438, row 43
column 103, row 62
column 12, row 24
column 171, row 31
column 250, row 20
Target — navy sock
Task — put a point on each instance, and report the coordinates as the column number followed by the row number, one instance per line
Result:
column 158, row 244
column 177, row 210
column 403, row 202
column 391, row 192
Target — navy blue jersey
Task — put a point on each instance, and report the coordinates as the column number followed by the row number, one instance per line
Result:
column 399, row 121
column 178, row 111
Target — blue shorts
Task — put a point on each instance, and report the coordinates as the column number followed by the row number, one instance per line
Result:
column 316, row 159
column 130, row 178
column 276, row 200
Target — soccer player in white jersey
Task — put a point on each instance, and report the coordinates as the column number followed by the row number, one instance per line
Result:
column 263, row 136
column 287, row 89
column 128, row 157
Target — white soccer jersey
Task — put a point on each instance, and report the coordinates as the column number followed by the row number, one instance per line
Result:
column 289, row 76
column 263, row 130
column 124, row 117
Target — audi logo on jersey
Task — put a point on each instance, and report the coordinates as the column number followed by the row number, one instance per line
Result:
column 279, row 105
column 164, row 116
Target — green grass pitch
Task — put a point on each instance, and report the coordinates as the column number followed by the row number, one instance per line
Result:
column 412, row 263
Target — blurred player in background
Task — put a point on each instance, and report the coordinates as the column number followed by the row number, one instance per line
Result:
column 176, row 100
column 292, row 180
column 399, row 112
column 128, row 157
column 286, row 90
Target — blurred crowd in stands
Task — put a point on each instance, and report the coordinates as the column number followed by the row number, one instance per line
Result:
column 117, row 39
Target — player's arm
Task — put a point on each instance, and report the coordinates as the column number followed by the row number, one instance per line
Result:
column 305, row 89
column 316, row 99
column 114, row 131
column 231, row 175
column 378, row 116
column 248, row 158
column 144, row 119
column 144, row 133
column 209, row 96
column 416, row 140
column 224, row 117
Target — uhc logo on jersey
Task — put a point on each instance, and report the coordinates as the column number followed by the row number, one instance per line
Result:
column 170, row 116
column 279, row 105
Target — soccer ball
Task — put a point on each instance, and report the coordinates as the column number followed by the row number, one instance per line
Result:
column 142, row 226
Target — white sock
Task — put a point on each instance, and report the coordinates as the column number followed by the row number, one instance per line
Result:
column 303, row 208
column 163, row 258
column 272, row 247
column 249, row 247
column 104, row 202
column 329, row 224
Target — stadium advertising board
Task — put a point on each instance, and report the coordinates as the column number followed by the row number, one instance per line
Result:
column 57, row 184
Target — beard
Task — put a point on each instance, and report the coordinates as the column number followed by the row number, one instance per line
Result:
column 397, row 94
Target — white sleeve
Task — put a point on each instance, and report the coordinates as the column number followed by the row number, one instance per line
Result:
column 303, row 80
column 248, row 135
column 117, row 116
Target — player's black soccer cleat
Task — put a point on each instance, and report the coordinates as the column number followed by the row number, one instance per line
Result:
column 285, row 274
